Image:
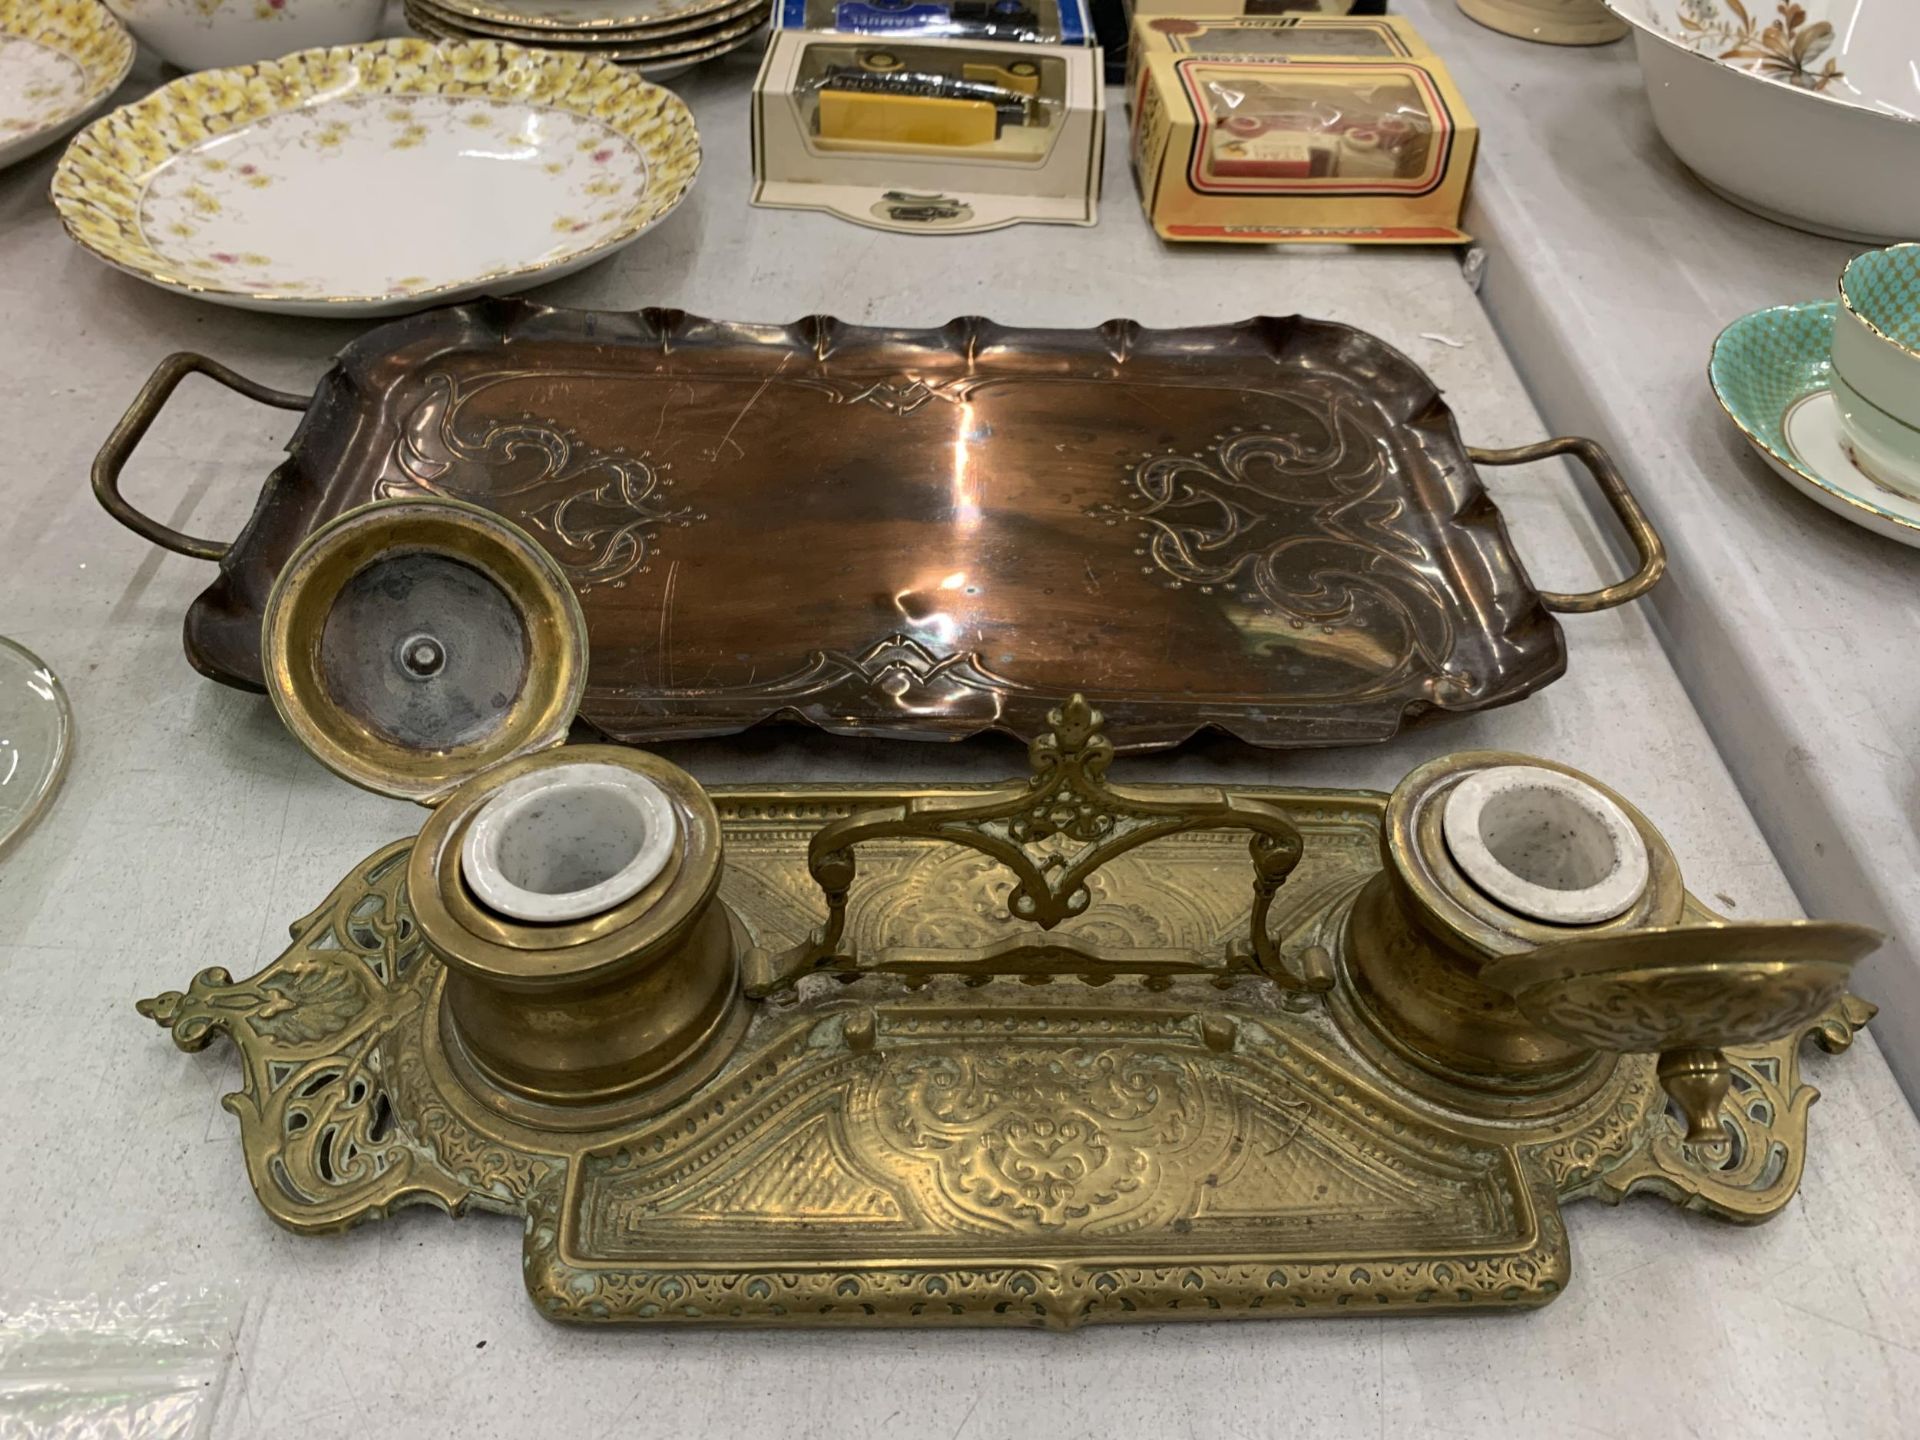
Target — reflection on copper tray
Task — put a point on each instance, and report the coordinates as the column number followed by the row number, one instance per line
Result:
column 1271, row 528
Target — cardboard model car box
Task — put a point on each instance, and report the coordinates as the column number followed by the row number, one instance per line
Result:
column 1289, row 139
column 1269, row 9
column 929, row 136
column 1283, row 37
column 1044, row 22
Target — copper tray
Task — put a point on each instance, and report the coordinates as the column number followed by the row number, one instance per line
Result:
column 1271, row 527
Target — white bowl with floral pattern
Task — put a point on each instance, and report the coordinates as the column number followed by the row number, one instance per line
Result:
column 59, row 61
column 200, row 34
column 375, row 179
column 1804, row 111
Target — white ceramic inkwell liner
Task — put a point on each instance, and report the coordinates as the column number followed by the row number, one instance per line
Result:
column 1545, row 845
column 568, row 842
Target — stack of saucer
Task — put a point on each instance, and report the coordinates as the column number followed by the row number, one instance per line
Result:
column 658, row 37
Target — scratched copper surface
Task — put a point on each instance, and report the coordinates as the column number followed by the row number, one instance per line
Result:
column 1270, row 527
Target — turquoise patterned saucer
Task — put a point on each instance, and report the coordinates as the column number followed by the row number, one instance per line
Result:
column 1770, row 373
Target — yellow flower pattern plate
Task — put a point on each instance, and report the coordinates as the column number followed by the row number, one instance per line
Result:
column 59, row 61
column 374, row 179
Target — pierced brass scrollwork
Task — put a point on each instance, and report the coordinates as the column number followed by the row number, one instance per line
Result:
column 1053, row 833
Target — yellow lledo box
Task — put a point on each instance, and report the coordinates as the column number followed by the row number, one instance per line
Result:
column 1262, row 129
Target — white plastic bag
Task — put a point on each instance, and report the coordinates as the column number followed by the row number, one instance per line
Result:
column 145, row 1365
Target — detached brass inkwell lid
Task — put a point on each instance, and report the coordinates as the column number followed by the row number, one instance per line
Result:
column 1049, row 1052
column 414, row 644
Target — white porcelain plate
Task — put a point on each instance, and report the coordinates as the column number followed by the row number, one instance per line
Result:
column 59, row 61
column 372, row 179
column 1815, row 439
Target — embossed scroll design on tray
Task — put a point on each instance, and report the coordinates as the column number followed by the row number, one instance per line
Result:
column 994, row 1153
column 1051, row 833
column 607, row 510
column 1300, row 525
column 1075, row 1134
column 897, row 668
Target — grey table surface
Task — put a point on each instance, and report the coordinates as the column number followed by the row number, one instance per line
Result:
column 1610, row 271
column 192, row 830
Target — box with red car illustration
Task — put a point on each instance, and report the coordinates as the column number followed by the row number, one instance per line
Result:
column 1258, row 129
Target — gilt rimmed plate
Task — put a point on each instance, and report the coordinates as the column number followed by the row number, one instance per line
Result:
column 644, row 32
column 59, row 61
column 373, row 179
column 670, row 57
column 684, row 48
column 1771, row 373
column 578, row 14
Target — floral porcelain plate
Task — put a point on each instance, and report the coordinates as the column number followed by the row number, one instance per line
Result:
column 373, row 179
column 1771, row 373
column 59, row 61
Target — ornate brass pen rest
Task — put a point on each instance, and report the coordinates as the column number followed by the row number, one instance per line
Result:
column 1049, row 1052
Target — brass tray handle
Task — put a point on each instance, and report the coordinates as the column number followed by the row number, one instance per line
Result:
column 1646, row 540
column 133, row 427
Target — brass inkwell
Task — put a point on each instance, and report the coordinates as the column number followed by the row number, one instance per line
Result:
column 1049, row 1052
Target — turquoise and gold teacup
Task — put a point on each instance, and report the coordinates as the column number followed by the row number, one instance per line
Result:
column 1876, row 364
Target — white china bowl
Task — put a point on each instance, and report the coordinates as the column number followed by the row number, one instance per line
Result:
column 200, row 34
column 1545, row 845
column 1818, row 128
column 568, row 842
column 376, row 179
column 59, row 61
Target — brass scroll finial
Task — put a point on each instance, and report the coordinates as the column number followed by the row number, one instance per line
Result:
column 1052, row 833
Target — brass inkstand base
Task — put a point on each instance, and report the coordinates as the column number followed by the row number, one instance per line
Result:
column 936, row 1117
column 1043, row 1053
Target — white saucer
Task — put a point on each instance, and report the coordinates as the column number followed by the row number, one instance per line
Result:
column 1811, row 426
column 1771, row 372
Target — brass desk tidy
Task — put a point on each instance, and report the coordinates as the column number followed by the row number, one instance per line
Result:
column 1045, row 1053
